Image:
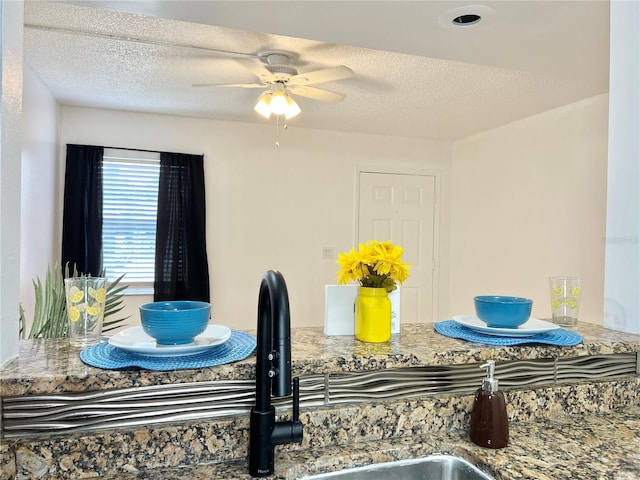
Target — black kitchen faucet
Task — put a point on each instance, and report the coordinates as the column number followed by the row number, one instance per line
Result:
column 273, row 376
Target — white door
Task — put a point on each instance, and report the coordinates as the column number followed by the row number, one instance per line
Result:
column 401, row 208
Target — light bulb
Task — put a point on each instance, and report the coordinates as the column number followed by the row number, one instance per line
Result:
column 292, row 108
column 278, row 102
column 262, row 107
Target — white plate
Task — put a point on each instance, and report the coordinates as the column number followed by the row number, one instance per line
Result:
column 531, row 327
column 135, row 340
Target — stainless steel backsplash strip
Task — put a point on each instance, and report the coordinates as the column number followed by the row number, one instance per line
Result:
column 416, row 382
column 71, row 412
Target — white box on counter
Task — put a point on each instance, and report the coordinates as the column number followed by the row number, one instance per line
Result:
column 339, row 305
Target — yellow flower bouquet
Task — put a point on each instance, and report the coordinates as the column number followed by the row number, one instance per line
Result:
column 375, row 265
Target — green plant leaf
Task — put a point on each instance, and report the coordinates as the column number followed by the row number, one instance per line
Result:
column 113, row 304
column 50, row 308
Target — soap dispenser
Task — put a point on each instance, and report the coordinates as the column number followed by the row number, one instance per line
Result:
column 489, row 422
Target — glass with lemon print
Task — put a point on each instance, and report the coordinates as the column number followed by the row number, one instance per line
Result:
column 85, row 308
column 565, row 299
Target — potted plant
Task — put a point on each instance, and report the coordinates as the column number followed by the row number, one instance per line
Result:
column 50, row 309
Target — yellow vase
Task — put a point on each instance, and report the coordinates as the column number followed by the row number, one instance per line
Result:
column 373, row 315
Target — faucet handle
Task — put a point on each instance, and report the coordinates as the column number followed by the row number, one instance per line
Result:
column 290, row 431
column 296, row 398
column 296, row 424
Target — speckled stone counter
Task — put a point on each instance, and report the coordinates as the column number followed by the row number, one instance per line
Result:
column 52, row 366
column 593, row 447
column 588, row 430
column 589, row 446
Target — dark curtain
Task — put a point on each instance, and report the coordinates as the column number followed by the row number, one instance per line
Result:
column 82, row 215
column 181, row 268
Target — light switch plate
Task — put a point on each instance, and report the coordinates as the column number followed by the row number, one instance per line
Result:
column 328, row 253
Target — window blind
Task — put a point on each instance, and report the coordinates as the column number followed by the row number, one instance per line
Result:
column 130, row 199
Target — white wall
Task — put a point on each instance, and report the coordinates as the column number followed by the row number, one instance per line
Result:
column 622, row 284
column 271, row 207
column 267, row 207
column 529, row 201
column 38, row 226
column 11, row 21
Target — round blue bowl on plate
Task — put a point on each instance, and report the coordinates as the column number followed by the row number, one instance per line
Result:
column 175, row 322
column 501, row 311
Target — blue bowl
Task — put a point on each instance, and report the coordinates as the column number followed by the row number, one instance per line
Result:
column 176, row 322
column 499, row 311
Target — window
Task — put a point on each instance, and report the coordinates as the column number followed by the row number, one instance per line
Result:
column 130, row 199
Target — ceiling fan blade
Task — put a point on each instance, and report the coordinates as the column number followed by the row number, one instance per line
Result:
column 240, row 85
column 316, row 94
column 320, row 76
column 258, row 68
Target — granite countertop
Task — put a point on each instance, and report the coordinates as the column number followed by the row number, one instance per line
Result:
column 594, row 447
column 53, row 366
column 602, row 442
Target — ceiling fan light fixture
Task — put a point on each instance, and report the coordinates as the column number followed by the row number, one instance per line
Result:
column 278, row 102
column 293, row 108
column 263, row 107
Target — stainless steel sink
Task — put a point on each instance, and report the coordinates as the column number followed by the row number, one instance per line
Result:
column 434, row 467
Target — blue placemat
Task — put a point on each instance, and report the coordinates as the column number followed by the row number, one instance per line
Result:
column 558, row 336
column 239, row 346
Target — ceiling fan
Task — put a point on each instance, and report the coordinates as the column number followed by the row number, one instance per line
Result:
column 280, row 79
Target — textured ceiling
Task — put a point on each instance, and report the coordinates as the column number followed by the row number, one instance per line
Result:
column 415, row 74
